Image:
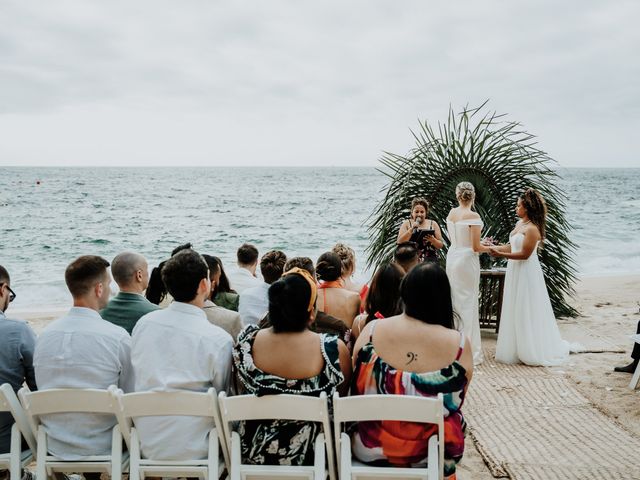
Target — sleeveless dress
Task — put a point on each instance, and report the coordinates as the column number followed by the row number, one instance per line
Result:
column 463, row 270
column 404, row 444
column 281, row 442
column 426, row 251
column 528, row 329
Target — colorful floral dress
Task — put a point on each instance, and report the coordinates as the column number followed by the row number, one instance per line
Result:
column 282, row 442
column 404, row 444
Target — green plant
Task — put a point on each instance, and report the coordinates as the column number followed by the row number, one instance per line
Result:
column 501, row 160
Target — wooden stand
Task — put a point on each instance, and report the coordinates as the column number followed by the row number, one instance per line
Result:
column 491, row 291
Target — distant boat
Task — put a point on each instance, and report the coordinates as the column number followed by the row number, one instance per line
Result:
column 3, row 201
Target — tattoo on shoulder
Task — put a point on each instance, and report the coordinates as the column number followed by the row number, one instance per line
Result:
column 412, row 357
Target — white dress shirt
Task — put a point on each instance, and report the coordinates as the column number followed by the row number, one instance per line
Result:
column 81, row 350
column 254, row 303
column 178, row 349
column 240, row 279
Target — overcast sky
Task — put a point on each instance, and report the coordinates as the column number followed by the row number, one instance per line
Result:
column 309, row 83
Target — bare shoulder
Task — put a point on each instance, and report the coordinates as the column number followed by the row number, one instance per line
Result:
column 533, row 231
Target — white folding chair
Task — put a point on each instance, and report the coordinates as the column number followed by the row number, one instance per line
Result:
column 72, row 400
column 278, row 407
column 179, row 403
column 388, row 407
column 16, row 459
column 636, row 375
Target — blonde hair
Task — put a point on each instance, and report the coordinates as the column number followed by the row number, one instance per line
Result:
column 347, row 257
column 465, row 192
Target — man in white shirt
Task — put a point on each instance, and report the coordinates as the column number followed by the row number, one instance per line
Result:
column 81, row 350
column 178, row 349
column 254, row 301
column 244, row 275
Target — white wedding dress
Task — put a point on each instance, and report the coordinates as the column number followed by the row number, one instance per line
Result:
column 528, row 329
column 463, row 270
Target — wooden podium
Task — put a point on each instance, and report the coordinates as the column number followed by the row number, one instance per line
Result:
column 491, row 291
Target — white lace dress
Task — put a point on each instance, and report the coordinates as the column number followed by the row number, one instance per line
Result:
column 528, row 329
column 463, row 270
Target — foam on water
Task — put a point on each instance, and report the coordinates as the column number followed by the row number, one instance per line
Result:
column 302, row 211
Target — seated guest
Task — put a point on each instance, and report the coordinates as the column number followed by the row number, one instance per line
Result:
column 383, row 297
column 81, row 350
column 635, row 357
column 334, row 299
column 348, row 261
column 156, row 291
column 254, row 301
column 419, row 353
column 228, row 320
column 17, row 342
column 178, row 349
column 244, row 275
column 406, row 255
column 222, row 293
column 323, row 323
column 131, row 273
column 287, row 358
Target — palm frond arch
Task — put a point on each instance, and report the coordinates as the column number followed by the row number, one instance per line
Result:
column 500, row 159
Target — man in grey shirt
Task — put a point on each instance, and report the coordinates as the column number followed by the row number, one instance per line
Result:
column 81, row 350
column 17, row 342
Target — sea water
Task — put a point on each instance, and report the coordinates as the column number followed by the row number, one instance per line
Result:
column 49, row 216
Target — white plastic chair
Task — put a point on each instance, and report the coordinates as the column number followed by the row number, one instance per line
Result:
column 178, row 403
column 388, row 407
column 71, row 400
column 16, row 459
column 636, row 376
column 278, row 407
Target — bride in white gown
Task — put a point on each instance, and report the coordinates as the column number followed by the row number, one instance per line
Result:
column 463, row 264
column 528, row 329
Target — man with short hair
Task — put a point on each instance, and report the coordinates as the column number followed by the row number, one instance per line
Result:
column 131, row 273
column 406, row 255
column 244, row 275
column 178, row 349
column 254, row 301
column 17, row 342
column 81, row 350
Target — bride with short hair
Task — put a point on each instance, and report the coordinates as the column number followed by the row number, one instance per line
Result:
column 463, row 264
column 528, row 329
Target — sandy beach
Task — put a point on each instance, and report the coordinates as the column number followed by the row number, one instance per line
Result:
column 609, row 312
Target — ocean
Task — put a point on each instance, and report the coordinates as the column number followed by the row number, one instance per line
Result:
column 52, row 215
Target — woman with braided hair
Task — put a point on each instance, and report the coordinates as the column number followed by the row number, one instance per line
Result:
column 528, row 329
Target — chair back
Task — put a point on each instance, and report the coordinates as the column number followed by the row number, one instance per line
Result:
column 9, row 403
column 403, row 408
column 278, row 407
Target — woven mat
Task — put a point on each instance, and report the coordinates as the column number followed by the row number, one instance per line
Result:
column 530, row 423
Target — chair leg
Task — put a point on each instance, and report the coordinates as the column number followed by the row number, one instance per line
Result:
column 134, row 456
column 345, row 457
column 15, row 466
column 116, row 454
column 319, row 464
column 433, row 468
column 41, row 462
column 235, row 473
column 636, row 378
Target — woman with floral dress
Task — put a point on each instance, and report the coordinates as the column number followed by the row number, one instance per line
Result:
column 288, row 358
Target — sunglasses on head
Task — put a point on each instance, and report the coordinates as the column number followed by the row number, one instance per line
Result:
column 12, row 294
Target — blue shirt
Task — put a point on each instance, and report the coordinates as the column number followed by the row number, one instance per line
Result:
column 17, row 342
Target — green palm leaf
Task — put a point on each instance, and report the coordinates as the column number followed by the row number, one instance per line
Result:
column 501, row 160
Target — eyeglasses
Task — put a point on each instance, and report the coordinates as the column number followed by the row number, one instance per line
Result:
column 12, row 294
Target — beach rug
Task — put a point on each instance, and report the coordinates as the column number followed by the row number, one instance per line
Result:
column 529, row 423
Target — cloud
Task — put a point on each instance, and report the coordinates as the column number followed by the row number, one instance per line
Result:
column 261, row 82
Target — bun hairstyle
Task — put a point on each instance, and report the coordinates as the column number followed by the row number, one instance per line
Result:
column 347, row 257
column 536, row 208
column 289, row 300
column 420, row 201
column 465, row 192
column 328, row 267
